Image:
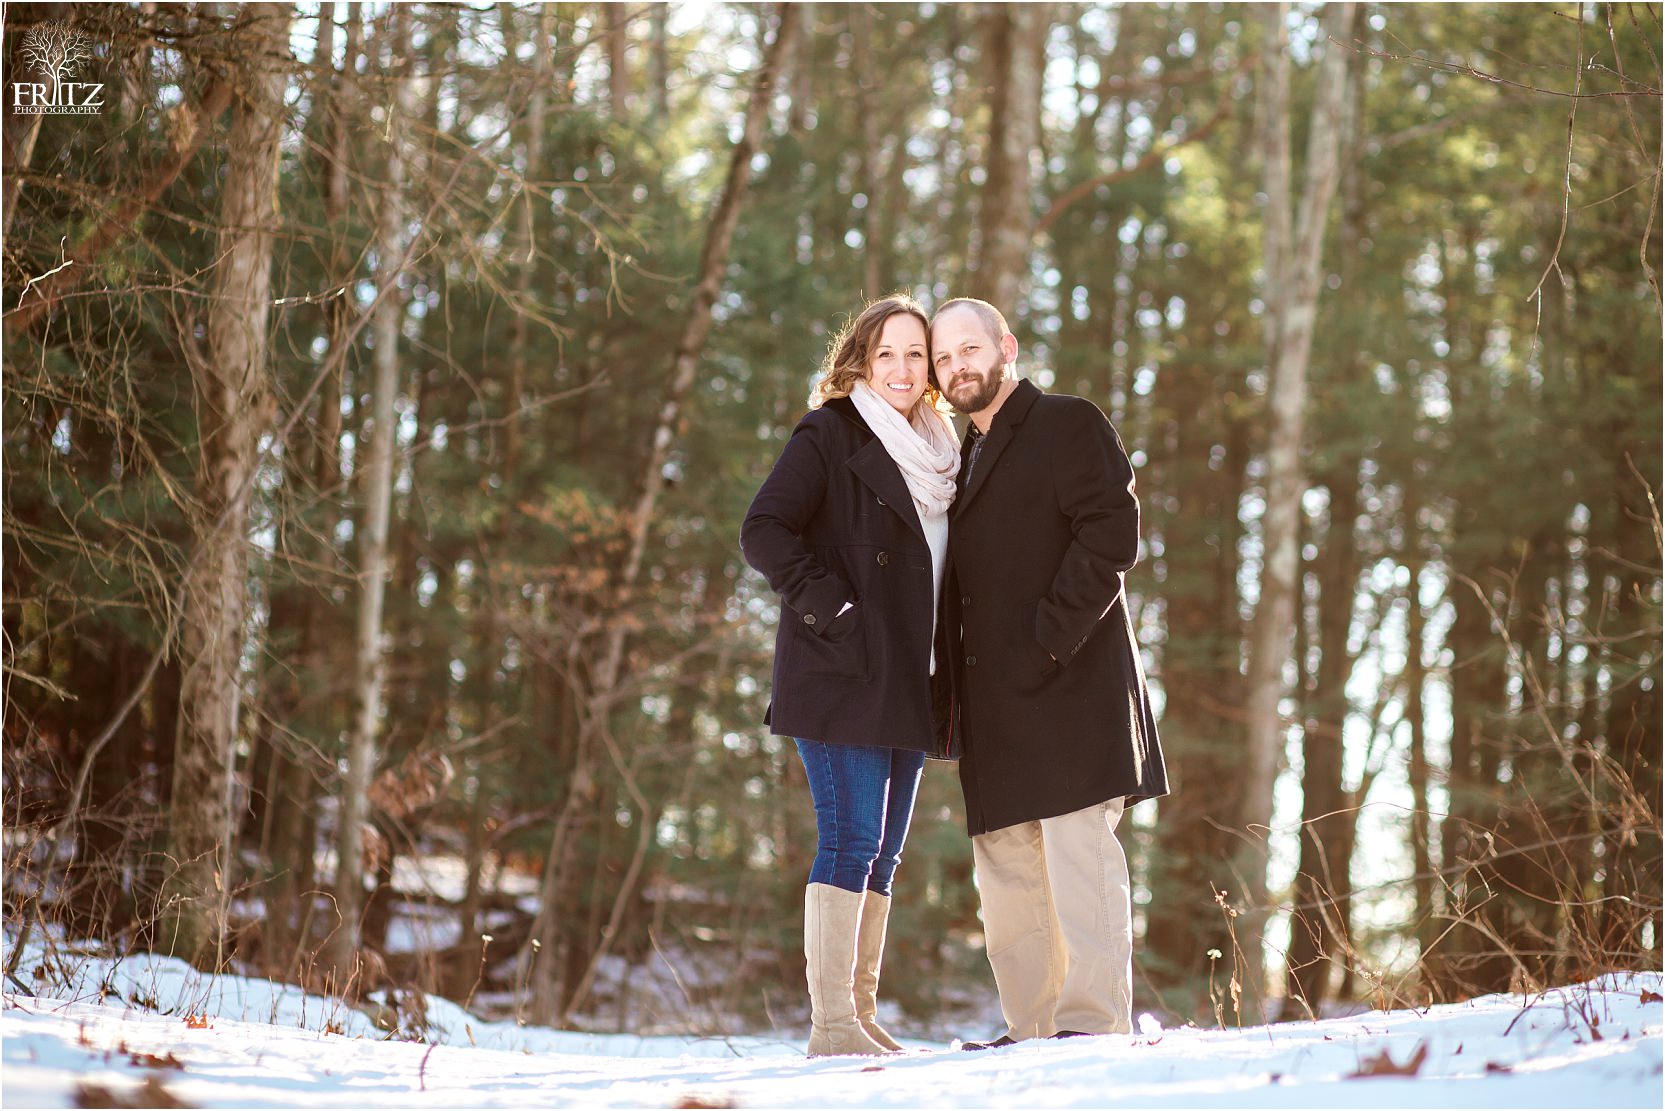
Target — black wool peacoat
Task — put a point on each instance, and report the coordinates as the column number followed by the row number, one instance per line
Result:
column 1053, row 705
column 834, row 523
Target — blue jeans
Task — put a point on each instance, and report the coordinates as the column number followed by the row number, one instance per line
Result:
column 863, row 803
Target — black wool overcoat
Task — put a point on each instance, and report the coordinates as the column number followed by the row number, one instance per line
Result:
column 834, row 523
column 1051, row 695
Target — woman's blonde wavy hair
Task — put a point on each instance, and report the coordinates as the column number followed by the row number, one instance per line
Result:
column 851, row 350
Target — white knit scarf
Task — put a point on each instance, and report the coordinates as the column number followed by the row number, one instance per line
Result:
column 924, row 448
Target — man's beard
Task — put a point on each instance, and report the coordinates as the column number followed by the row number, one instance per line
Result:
column 977, row 395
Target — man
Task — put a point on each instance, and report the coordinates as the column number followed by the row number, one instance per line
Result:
column 1055, row 716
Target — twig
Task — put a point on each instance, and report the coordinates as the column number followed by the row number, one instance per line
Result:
column 63, row 248
column 1566, row 181
column 1491, row 78
column 422, row 1070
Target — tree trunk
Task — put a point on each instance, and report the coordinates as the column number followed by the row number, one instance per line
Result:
column 560, row 874
column 659, row 61
column 20, row 135
column 1204, row 738
column 1293, row 280
column 890, row 205
column 298, row 692
column 685, row 360
column 618, row 74
column 1318, row 925
column 369, row 663
column 233, row 411
column 803, row 74
column 1467, row 962
column 132, row 85
column 874, row 276
column 1416, row 680
column 1016, row 37
column 1632, row 724
column 523, row 254
column 17, row 132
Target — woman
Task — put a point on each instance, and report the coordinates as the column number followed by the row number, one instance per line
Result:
column 851, row 529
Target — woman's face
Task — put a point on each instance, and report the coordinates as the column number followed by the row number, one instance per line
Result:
column 898, row 366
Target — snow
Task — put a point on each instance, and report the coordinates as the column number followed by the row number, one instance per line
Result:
column 115, row 1024
column 442, row 876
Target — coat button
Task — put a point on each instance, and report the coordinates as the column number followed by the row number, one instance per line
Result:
column 884, row 559
column 971, row 661
column 965, row 599
column 809, row 619
column 881, row 501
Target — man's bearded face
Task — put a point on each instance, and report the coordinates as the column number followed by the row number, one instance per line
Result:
column 967, row 361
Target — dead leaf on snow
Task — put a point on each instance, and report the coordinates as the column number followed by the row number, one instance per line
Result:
column 152, row 1093
column 1383, row 1064
column 1652, row 997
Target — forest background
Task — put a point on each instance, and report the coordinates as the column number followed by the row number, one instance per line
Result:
column 384, row 387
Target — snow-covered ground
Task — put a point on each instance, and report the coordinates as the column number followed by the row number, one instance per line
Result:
column 96, row 1032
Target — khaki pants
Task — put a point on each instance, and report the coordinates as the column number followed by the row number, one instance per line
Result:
column 1057, row 917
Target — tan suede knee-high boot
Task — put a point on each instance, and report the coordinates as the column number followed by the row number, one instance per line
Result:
column 870, row 953
column 832, row 921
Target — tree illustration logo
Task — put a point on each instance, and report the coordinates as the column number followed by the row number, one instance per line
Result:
column 55, row 51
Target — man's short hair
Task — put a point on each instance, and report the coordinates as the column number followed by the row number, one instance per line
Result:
column 991, row 317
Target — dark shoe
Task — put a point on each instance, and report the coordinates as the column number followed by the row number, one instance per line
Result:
column 999, row 1043
column 1070, row 1034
